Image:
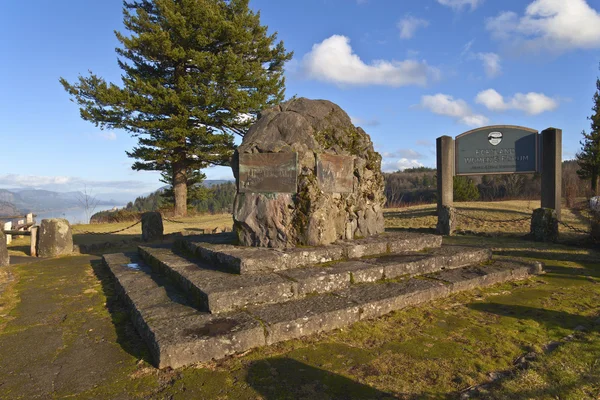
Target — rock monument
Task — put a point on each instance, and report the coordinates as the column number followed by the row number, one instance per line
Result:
column 306, row 176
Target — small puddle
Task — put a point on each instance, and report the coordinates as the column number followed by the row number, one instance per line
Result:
column 133, row 266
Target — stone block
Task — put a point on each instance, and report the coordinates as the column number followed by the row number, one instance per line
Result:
column 55, row 238
column 33, row 244
column 380, row 299
column 217, row 291
column 544, row 225
column 445, row 257
column 152, row 226
column 446, row 220
column 312, row 280
column 176, row 333
column 306, row 316
column 4, row 258
column 366, row 247
column 409, row 241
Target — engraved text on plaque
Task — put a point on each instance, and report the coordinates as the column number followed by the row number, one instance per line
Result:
column 268, row 173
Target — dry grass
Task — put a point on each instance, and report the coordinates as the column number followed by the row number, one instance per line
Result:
column 425, row 217
column 85, row 234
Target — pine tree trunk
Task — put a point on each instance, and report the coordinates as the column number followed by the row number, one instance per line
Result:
column 594, row 184
column 180, row 190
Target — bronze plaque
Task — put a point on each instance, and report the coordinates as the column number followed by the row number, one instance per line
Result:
column 268, row 173
column 335, row 173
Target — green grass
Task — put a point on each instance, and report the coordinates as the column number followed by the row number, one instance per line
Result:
column 432, row 351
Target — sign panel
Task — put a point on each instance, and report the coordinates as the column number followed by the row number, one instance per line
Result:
column 335, row 173
column 268, row 173
column 501, row 149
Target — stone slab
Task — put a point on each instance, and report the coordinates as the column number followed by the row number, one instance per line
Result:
column 245, row 260
column 469, row 278
column 305, row 317
column 409, row 241
column 319, row 279
column 176, row 333
column 445, row 257
column 179, row 335
column 382, row 298
column 215, row 291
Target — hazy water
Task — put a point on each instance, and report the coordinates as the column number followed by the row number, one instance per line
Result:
column 73, row 215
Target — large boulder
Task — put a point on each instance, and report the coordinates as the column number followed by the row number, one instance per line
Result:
column 4, row 259
column 55, row 238
column 313, row 215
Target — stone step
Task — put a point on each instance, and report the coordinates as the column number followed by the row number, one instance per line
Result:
column 216, row 291
column 244, row 260
column 177, row 334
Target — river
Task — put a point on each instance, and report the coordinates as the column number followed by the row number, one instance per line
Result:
column 73, row 215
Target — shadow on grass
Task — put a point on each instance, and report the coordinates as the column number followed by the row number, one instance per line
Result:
column 494, row 211
column 409, row 214
column 127, row 336
column 543, row 254
column 417, row 230
column 549, row 318
column 286, row 378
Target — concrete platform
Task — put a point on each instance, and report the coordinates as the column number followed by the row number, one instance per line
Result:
column 178, row 333
column 244, row 260
column 216, row 291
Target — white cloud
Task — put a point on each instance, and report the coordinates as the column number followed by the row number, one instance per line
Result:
column 531, row 103
column 400, row 165
column 443, row 104
column 333, row 61
column 108, row 135
column 408, row 26
column 459, row 4
column 467, row 48
column 492, row 100
column 64, row 183
column 553, row 25
column 491, row 64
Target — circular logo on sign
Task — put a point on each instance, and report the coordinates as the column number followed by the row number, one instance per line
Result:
column 495, row 138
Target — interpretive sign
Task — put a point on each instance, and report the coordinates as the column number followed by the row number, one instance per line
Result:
column 268, row 173
column 335, row 173
column 501, row 149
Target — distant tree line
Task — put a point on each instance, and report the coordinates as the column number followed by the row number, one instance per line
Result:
column 419, row 185
column 408, row 187
column 214, row 200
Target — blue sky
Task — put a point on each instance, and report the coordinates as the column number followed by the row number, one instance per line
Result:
column 406, row 71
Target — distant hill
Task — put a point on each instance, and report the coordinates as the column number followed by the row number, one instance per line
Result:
column 7, row 209
column 26, row 200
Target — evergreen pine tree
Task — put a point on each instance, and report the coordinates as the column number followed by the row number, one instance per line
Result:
column 195, row 73
column 589, row 157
